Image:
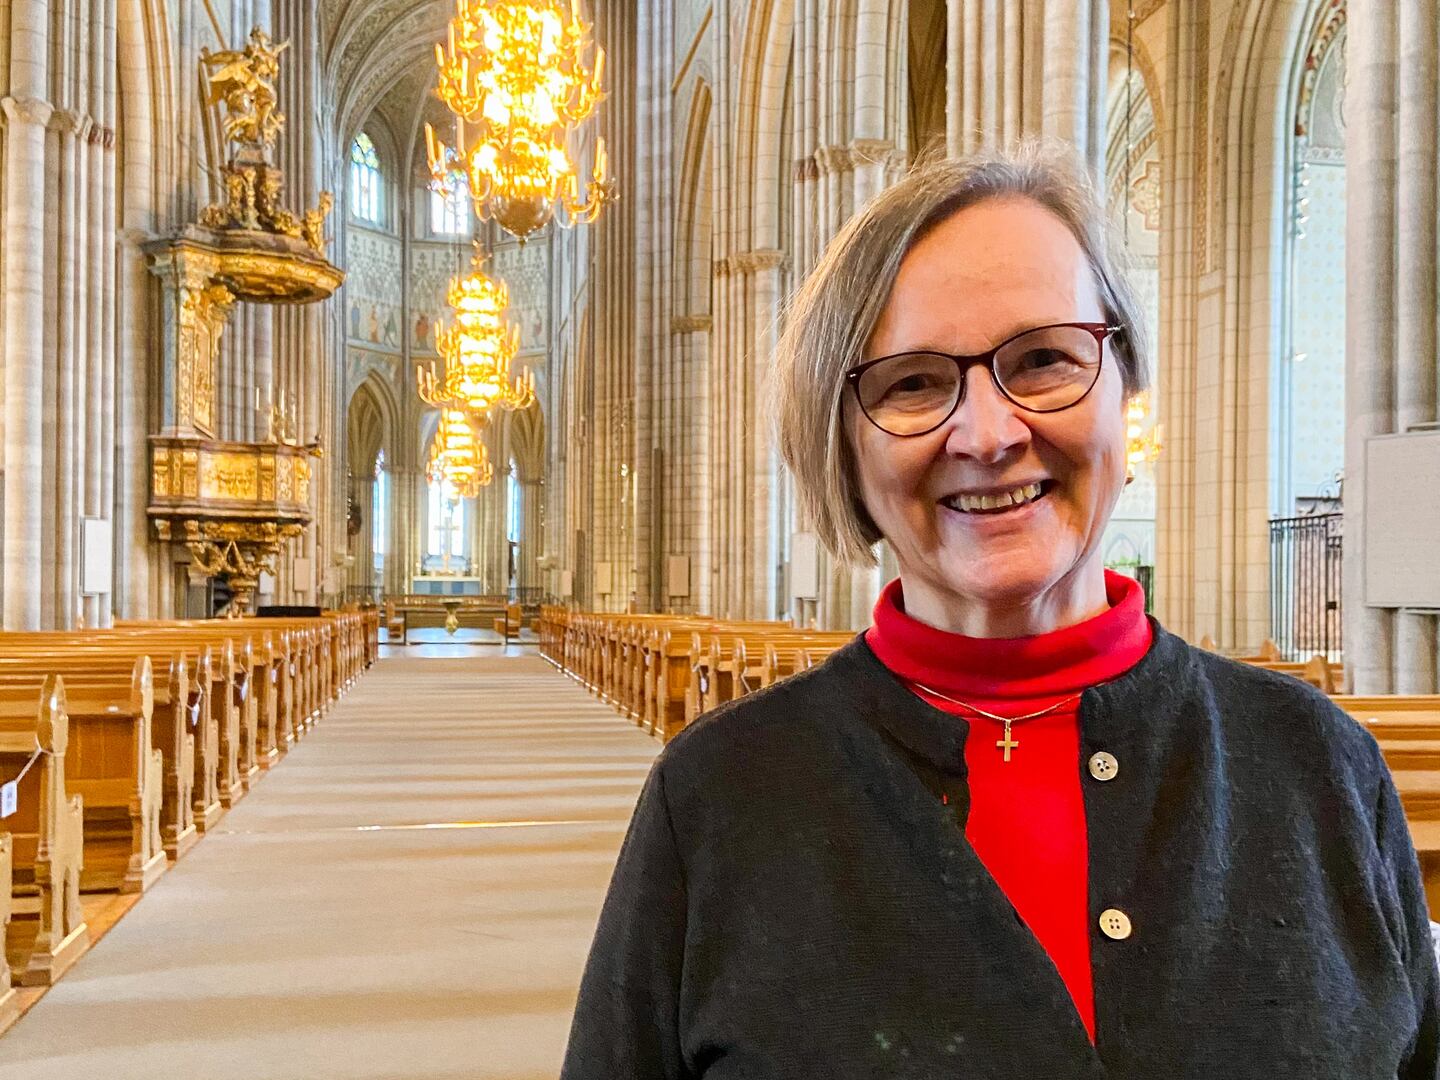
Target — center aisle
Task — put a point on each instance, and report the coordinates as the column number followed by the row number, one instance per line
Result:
column 408, row 895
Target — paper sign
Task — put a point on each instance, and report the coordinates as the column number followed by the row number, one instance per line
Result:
column 9, row 798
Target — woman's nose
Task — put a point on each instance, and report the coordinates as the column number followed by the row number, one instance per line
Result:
column 985, row 426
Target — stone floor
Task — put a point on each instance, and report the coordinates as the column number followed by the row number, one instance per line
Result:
column 409, row 895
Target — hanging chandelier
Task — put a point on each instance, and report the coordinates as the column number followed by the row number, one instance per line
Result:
column 515, row 75
column 476, row 351
column 1143, row 440
column 458, row 457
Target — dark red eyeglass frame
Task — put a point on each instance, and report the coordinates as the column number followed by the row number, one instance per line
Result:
column 1101, row 332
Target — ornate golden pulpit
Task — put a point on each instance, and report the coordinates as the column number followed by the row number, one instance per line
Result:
column 233, row 504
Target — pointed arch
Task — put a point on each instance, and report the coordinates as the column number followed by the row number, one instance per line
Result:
column 693, row 225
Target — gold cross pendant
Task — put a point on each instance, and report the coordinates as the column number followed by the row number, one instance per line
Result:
column 1007, row 744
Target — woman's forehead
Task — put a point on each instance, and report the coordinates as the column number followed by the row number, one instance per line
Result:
column 983, row 274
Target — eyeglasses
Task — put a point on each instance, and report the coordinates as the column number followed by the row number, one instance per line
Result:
column 1042, row 370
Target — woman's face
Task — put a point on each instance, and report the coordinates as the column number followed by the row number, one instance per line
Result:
column 981, row 276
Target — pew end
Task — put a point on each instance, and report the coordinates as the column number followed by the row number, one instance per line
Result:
column 47, row 931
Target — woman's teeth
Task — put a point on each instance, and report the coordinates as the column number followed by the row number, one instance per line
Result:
column 969, row 504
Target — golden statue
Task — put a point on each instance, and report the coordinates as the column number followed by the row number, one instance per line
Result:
column 245, row 82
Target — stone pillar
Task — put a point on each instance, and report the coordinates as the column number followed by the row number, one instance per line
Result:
column 362, row 546
column 23, row 248
column 1417, row 350
column 532, row 534
column 1027, row 67
column 1369, row 315
column 761, row 536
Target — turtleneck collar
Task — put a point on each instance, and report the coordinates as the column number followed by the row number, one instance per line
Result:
column 1064, row 661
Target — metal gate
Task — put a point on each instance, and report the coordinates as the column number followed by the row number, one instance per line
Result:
column 1305, row 585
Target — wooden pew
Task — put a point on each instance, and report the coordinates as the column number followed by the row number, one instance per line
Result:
column 508, row 624
column 111, row 764
column 229, row 691
column 181, row 726
column 785, row 657
column 1317, row 671
column 1408, row 731
column 240, row 653
column 9, row 999
column 47, row 932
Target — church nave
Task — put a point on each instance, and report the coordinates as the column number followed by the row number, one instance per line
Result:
column 411, row 892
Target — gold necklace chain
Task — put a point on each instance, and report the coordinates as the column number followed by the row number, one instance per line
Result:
column 1006, row 744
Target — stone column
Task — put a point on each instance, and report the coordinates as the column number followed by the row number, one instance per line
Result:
column 1369, row 315
column 532, row 534
column 362, row 546
column 761, row 536
column 1417, row 350
column 23, row 247
column 135, row 592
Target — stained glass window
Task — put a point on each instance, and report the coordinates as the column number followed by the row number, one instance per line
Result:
column 365, row 180
column 450, row 209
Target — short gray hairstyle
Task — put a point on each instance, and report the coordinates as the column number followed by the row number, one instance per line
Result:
column 834, row 313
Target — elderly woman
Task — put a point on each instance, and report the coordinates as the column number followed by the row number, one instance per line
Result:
column 1016, row 829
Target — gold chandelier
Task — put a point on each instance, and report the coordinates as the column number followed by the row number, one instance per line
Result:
column 476, row 351
column 514, row 73
column 458, row 456
column 1143, row 437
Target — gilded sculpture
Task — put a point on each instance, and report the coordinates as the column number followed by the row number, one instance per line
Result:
column 234, row 505
column 244, row 81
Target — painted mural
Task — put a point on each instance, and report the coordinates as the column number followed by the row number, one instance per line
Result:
column 526, row 270
column 373, row 290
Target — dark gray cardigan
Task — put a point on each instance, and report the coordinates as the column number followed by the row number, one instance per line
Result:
column 793, row 900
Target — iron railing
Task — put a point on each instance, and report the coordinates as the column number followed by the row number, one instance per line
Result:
column 1305, row 585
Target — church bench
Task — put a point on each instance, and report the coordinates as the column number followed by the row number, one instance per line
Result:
column 551, row 628
column 1267, row 652
column 9, row 999
column 782, row 658
column 1317, row 671
column 429, row 610
column 746, row 663
column 1407, row 727
column 280, row 654
column 111, row 764
column 508, row 625
column 669, row 661
column 47, row 931
column 187, row 684
column 231, row 670
column 181, row 725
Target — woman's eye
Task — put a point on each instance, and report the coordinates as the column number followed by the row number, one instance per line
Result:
column 1043, row 358
column 911, row 384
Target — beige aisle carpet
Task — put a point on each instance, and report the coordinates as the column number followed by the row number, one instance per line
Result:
column 408, row 895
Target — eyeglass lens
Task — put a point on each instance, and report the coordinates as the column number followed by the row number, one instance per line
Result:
column 1045, row 370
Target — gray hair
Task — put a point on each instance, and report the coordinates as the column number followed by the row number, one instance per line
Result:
column 835, row 311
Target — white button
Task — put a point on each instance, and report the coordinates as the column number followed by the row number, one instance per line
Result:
column 1115, row 924
column 1103, row 766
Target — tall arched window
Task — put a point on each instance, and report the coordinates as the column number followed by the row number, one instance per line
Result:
column 1308, row 379
column 365, row 185
column 512, row 504
column 445, row 549
column 450, row 210
column 1133, row 195
column 380, row 518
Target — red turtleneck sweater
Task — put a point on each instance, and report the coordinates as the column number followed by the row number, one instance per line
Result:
column 1027, row 815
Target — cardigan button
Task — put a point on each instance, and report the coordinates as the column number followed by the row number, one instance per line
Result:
column 1115, row 924
column 1104, row 766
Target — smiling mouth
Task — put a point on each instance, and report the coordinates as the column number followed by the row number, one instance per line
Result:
column 998, row 502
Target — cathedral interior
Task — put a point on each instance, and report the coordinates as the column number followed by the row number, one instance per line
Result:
column 254, row 252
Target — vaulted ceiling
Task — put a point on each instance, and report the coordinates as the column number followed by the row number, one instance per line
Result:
column 380, row 50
